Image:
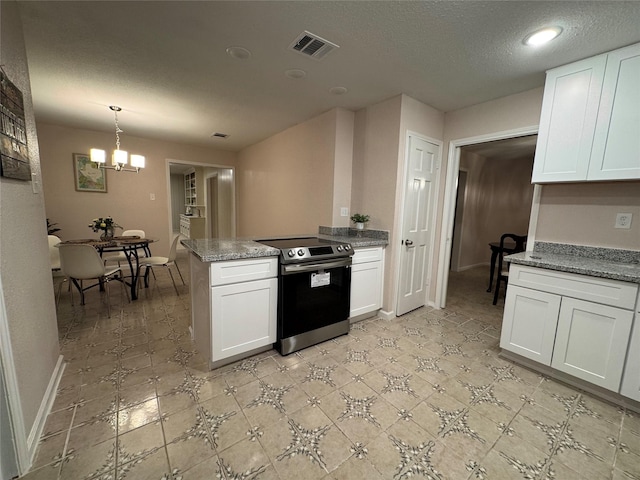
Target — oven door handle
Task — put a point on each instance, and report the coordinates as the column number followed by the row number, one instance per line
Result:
column 307, row 267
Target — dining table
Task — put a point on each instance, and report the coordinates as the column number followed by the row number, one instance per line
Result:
column 129, row 244
column 508, row 248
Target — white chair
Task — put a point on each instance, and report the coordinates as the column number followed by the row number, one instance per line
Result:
column 54, row 260
column 150, row 262
column 83, row 262
column 120, row 256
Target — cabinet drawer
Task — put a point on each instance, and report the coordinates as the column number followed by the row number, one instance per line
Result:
column 363, row 255
column 593, row 289
column 236, row 271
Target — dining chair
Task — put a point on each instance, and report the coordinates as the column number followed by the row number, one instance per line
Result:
column 83, row 262
column 150, row 262
column 54, row 261
column 120, row 256
column 503, row 268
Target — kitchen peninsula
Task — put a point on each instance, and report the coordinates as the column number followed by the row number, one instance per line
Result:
column 234, row 289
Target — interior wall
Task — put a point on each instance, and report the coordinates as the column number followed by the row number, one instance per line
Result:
column 378, row 169
column 498, row 200
column 585, row 214
column 285, row 183
column 24, row 252
column 343, row 166
column 176, row 182
column 507, row 113
column 128, row 198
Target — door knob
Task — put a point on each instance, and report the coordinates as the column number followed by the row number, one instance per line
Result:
column 408, row 243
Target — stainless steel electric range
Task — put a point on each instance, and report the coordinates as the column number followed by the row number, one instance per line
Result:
column 314, row 287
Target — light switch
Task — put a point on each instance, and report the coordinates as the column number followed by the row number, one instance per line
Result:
column 344, row 212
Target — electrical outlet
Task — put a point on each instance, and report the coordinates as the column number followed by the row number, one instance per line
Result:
column 152, row 196
column 623, row 220
column 344, row 212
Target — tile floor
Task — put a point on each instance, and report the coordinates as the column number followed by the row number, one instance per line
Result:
column 424, row 396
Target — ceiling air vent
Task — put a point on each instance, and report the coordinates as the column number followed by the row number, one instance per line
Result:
column 312, row 45
column 220, row 135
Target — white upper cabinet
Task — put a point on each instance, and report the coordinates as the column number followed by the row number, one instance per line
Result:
column 590, row 120
column 616, row 143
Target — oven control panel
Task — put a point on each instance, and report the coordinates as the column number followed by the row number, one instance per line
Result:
column 320, row 253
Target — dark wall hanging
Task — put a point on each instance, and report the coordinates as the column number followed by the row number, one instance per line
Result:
column 14, row 156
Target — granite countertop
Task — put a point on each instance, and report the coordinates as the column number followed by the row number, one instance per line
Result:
column 219, row 250
column 623, row 265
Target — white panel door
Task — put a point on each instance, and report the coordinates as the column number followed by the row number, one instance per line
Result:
column 616, row 145
column 529, row 323
column 417, row 224
column 243, row 317
column 567, row 121
column 591, row 342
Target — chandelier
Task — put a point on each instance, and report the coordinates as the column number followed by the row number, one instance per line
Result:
column 119, row 159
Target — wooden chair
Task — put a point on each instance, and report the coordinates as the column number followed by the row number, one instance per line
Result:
column 82, row 262
column 503, row 269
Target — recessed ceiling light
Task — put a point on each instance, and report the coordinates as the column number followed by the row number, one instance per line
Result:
column 542, row 36
column 295, row 73
column 239, row 53
column 338, row 90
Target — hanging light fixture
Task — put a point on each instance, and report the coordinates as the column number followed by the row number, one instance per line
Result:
column 120, row 157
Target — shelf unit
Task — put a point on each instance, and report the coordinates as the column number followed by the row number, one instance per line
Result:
column 190, row 188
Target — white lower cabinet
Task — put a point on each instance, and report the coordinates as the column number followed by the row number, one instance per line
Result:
column 366, row 280
column 577, row 324
column 591, row 342
column 234, row 306
column 532, row 320
column 243, row 317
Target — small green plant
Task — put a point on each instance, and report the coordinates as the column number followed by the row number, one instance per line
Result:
column 51, row 228
column 359, row 218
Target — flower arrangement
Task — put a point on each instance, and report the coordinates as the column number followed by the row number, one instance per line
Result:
column 106, row 224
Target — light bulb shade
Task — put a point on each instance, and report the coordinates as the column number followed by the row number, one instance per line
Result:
column 137, row 161
column 119, row 157
column 98, row 156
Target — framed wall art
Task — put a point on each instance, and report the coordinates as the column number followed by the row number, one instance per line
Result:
column 14, row 155
column 88, row 176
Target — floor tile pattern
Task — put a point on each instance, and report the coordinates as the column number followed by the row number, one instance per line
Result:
column 424, row 395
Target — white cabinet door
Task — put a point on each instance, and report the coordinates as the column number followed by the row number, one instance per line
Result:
column 616, row 144
column 568, row 121
column 529, row 323
column 366, row 288
column 243, row 317
column 591, row 342
column 631, row 376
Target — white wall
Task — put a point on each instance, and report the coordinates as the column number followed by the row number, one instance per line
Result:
column 285, row 183
column 128, row 198
column 30, row 318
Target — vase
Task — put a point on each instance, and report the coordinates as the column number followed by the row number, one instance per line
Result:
column 108, row 234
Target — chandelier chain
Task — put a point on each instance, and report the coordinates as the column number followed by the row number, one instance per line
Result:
column 118, row 131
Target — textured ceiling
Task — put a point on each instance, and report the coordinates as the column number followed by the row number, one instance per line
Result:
column 165, row 64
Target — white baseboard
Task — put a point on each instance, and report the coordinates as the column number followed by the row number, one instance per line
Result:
column 45, row 409
column 386, row 315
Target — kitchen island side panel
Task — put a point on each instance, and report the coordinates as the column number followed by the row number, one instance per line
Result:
column 200, row 305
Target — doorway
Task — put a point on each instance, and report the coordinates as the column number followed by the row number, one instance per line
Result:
column 217, row 207
column 492, row 197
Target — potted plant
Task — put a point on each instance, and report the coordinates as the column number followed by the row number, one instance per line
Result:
column 359, row 219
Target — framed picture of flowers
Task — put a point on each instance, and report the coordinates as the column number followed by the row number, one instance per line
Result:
column 88, row 176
